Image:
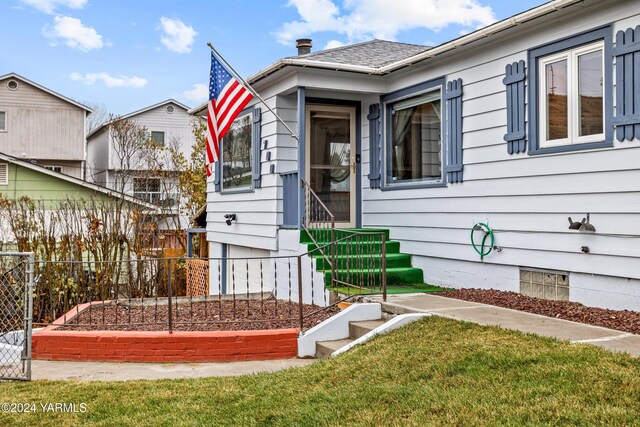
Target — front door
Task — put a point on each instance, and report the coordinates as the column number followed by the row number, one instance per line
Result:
column 331, row 159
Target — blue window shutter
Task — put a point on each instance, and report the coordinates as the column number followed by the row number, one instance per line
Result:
column 453, row 130
column 255, row 143
column 375, row 159
column 514, row 82
column 627, row 53
column 217, row 174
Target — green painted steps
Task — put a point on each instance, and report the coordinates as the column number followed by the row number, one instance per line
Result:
column 338, row 233
column 395, row 276
column 354, row 266
column 391, row 247
column 394, row 260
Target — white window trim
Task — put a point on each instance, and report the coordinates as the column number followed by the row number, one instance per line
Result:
column 571, row 56
column 6, row 175
column 247, row 187
column 6, row 117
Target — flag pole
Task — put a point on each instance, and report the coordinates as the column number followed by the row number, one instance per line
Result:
column 248, row 86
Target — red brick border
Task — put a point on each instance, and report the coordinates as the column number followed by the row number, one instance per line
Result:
column 132, row 346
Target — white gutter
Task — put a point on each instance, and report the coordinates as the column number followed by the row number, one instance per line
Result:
column 313, row 64
column 464, row 40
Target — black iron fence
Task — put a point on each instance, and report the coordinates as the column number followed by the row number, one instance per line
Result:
column 150, row 293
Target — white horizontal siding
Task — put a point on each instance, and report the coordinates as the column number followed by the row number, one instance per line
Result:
column 526, row 199
column 259, row 212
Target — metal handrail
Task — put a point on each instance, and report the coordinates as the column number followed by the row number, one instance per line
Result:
column 308, row 221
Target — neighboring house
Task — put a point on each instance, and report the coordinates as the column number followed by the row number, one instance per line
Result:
column 38, row 124
column 518, row 125
column 168, row 124
column 20, row 178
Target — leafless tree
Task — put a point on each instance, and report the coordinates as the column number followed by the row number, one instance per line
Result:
column 97, row 118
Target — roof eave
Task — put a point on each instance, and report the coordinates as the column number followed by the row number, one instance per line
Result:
column 308, row 63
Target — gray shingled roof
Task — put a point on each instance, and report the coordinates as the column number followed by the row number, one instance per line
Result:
column 374, row 53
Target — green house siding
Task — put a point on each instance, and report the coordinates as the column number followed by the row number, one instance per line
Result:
column 41, row 186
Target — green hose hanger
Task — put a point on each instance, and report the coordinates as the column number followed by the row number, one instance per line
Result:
column 488, row 233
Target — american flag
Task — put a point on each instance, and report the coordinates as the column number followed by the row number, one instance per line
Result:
column 227, row 98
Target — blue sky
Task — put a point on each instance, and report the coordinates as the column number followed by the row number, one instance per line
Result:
column 130, row 54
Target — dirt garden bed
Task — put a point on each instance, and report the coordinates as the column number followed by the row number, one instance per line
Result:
column 195, row 316
column 621, row 320
column 211, row 331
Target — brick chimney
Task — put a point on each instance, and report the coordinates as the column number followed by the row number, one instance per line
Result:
column 304, row 46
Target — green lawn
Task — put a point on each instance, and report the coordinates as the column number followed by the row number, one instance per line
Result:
column 433, row 372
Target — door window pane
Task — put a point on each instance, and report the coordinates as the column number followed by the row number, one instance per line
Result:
column 330, row 160
column 236, row 155
column 556, row 93
column 416, row 143
column 590, row 93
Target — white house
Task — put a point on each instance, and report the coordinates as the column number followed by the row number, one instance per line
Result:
column 518, row 125
column 169, row 125
column 42, row 126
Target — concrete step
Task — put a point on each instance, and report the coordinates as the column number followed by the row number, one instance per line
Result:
column 325, row 348
column 358, row 329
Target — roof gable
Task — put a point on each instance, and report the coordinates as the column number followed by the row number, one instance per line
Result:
column 47, row 90
column 138, row 112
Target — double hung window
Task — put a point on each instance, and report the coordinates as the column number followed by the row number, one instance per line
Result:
column 571, row 95
column 237, row 155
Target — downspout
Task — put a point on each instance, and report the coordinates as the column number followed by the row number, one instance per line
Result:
column 15, row 181
column 301, row 151
column 223, row 269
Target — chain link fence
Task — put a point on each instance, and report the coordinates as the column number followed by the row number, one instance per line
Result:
column 16, row 310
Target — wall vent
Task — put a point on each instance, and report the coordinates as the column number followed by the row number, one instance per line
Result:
column 170, row 109
column 12, row 85
column 545, row 284
column 4, row 174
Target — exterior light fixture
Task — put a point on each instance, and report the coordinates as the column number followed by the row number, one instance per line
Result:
column 230, row 218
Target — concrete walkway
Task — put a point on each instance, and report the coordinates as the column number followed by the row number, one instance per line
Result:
column 512, row 319
column 103, row 371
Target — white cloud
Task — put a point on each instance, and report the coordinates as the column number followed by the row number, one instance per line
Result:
column 73, row 33
column 109, row 80
column 333, row 44
column 49, row 6
column 366, row 19
column 178, row 36
column 199, row 93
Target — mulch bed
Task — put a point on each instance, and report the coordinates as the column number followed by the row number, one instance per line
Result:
column 621, row 320
column 197, row 316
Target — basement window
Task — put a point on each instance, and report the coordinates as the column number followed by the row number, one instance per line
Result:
column 544, row 284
